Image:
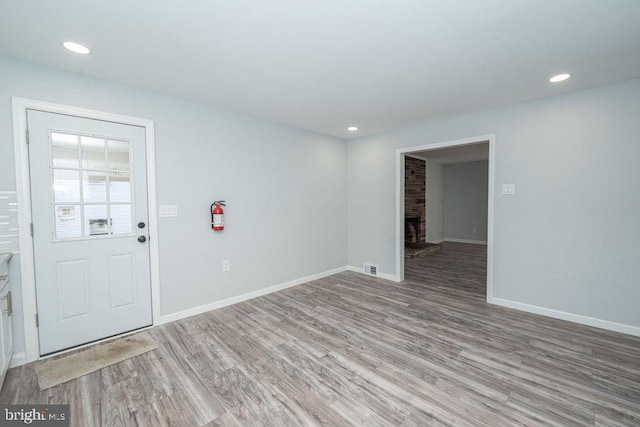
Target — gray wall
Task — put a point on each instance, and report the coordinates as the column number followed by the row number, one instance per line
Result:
column 279, row 184
column 568, row 239
column 465, row 200
column 435, row 202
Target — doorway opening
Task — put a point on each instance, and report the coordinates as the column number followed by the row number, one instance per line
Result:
column 444, row 209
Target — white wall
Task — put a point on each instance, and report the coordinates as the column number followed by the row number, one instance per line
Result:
column 568, row 239
column 279, row 184
column 435, row 202
column 466, row 201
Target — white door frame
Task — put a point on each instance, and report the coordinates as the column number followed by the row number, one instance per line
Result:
column 400, row 153
column 23, row 189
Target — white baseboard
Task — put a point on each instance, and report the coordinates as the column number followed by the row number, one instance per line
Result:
column 473, row 242
column 570, row 317
column 18, row 359
column 380, row 275
column 244, row 297
column 435, row 242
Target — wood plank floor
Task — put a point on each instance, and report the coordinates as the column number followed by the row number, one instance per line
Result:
column 355, row 350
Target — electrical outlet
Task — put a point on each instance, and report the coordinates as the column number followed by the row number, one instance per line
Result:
column 226, row 265
column 508, row 188
column 474, row 231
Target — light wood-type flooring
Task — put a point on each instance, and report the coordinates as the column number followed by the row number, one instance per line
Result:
column 355, row 350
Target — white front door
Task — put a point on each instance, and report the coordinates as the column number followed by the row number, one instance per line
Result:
column 89, row 210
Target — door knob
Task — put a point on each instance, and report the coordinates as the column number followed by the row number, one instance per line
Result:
column 142, row 239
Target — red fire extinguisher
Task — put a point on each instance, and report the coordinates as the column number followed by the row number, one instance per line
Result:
column 217, row 215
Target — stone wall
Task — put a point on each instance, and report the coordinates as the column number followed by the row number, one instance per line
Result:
column 415, row 196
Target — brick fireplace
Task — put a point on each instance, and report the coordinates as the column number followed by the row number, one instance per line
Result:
column 415, row 218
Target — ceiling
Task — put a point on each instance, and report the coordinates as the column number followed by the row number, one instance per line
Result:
column 459, row 154
column 325, row 65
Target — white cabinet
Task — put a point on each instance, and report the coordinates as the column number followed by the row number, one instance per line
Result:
column 6, row 338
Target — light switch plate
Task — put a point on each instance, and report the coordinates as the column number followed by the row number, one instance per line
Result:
column 508, row 188
column 167, row 211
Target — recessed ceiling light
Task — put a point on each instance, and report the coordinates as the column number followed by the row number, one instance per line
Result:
column 559, row 78
column 76, row 48
column 352, row 128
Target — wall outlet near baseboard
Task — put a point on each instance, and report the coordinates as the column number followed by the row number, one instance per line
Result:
column 226, row 265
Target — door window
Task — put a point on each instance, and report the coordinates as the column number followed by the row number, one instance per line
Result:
column 92, row 186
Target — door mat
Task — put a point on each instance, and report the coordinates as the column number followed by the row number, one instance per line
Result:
column 67, row 368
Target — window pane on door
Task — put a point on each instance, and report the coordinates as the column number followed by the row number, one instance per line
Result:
column 95, row 220
column 119, row 187
column 121, row 219
column 68, row 221
column 93, row 154
column 119, row 155
column 66, row 186
column 94, row 187
column 64, row 150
